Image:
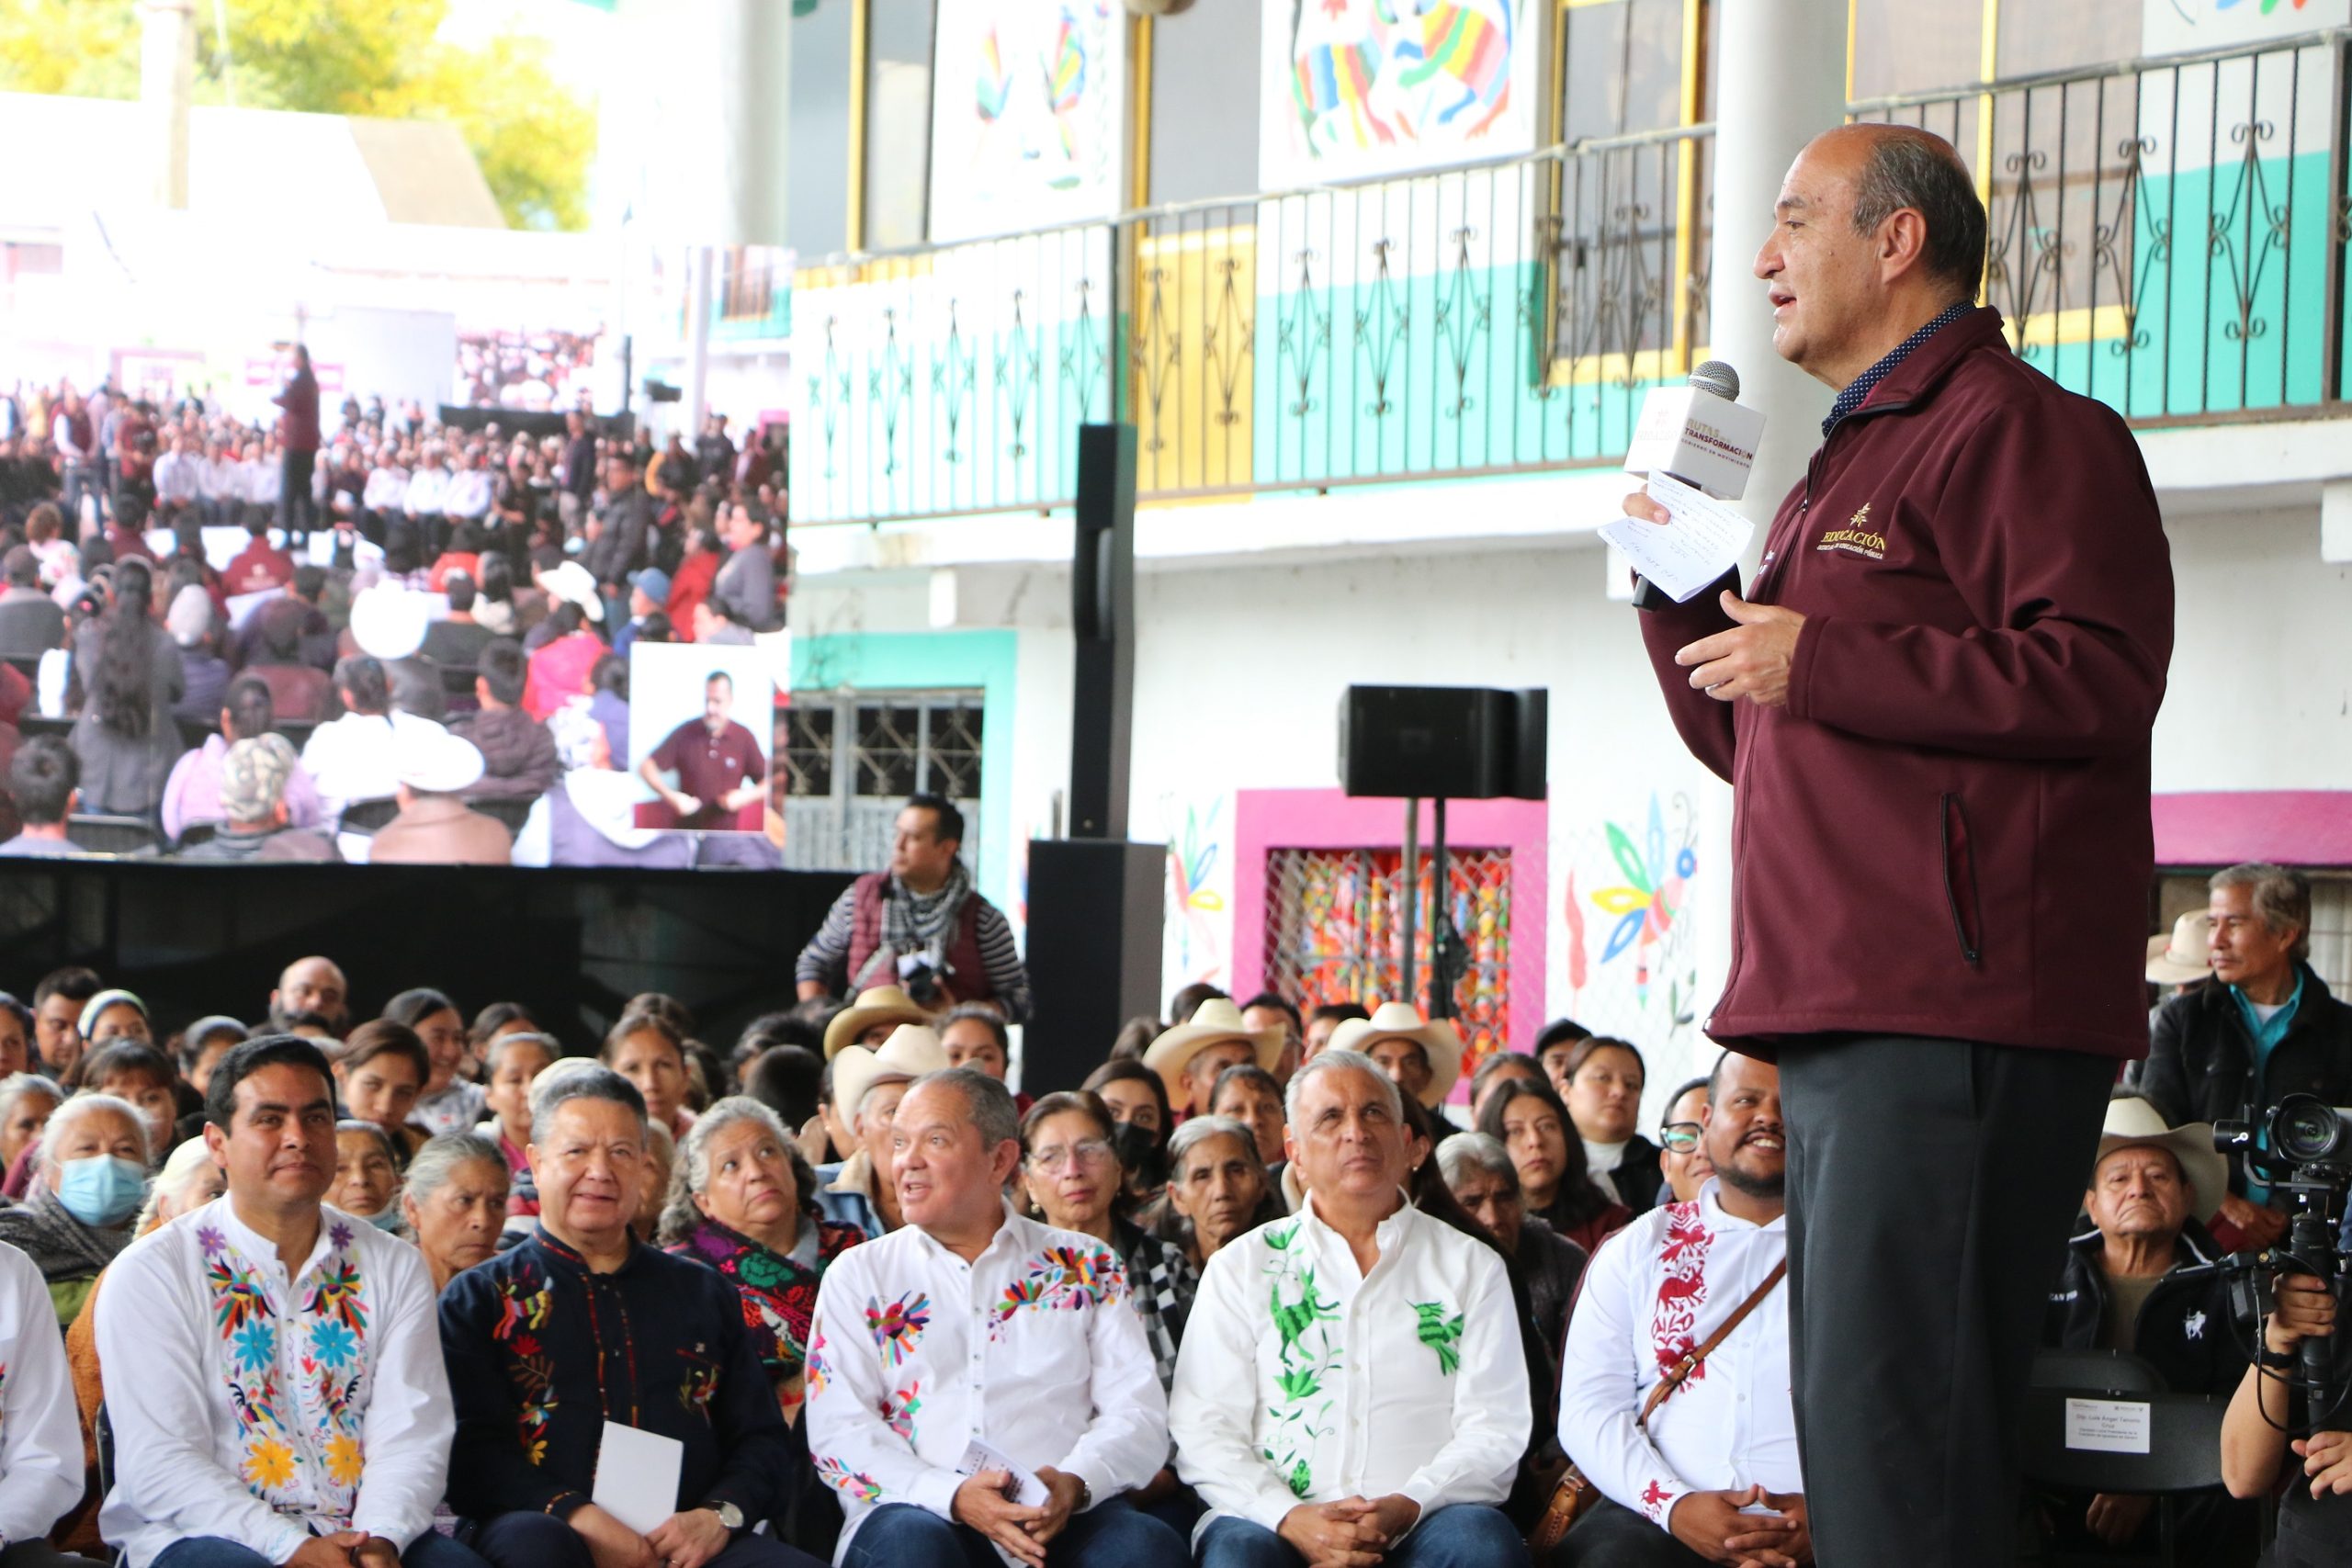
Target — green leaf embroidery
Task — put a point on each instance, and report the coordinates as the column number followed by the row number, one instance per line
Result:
column 1441, row 1334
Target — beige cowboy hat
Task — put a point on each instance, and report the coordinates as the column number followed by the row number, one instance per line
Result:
column 2185, row 955
column 1218, row 1021
column 2132, row 1121
column 875, row 1004
column 909, row 1053
column 1438, row 1039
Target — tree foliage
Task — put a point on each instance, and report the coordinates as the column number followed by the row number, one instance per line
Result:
column 532, row 138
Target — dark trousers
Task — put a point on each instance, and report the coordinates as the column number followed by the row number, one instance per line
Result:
column 1110, row 1534
column 1931, row 1183
column 521, row 1539
column 1613, row 1535
column 298, row 510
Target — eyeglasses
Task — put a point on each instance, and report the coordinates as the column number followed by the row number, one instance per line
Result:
column 1680, row 1136
column 1093, row 1151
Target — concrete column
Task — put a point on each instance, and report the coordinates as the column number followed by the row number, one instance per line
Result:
column 1780, row 72
column 166, row 84
column 697, row 340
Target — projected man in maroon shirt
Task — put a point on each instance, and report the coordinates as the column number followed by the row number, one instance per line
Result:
column 721, row 776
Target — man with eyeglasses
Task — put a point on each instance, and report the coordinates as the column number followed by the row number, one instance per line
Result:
column 1682, row 1150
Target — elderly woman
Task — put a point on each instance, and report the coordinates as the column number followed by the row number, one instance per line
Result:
column 455, row 1203
column 27, row 1101
column 511, row 1062
column 1246, row 1093
column 1216, row 1189
column 744, row 1202
column 1479, row 1173
column 90, row 1180
column 367, row 1182
column 1530, row 1123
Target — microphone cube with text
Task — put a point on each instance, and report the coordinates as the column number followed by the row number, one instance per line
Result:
column 1698, row 433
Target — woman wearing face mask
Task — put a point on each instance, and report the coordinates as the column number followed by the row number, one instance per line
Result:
column 90, row 1180
column 366, row 1184
column 1141, row 1118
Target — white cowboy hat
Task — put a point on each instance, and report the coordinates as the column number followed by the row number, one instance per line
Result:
column 571, row 581
column 2185, row 955
column 2131, row 1122
column 434, row 762
column 909, row 1053
column 875, row 1004
column 1217, row 1022
column 1438, row 1039
column 388, row 622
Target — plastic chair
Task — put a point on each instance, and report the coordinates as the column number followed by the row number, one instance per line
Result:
column 2184, row 1455
column 115, row 835
column 2117, row 1371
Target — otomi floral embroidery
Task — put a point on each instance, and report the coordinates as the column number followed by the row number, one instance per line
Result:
column 1654, row 1499
column 307, row 1372
column 521, row 1308
column 898, row 1326
column 699, row 1383
column 855, row 1483
column 1441, row 1334
column 898, row 1410
column 817, row 1369
column 1310, row 1357
column 1065, row 1278
column 1682, row 1289
column 532, row 1371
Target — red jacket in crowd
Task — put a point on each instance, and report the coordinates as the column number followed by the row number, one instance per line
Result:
column 298, row 430
column 1945, row 831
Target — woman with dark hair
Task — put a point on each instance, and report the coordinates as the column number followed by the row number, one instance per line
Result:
column 378, row 1075
column 447, row 1101
column 1601, row 1084
column 1138, row 1103
column 495, row 597
column 608, row 702
column 1528, row 1120
column 559, row 666
column 129, row 676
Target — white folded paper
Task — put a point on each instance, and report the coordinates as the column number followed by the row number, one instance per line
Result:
column 1681, row 558
column 637, row 1476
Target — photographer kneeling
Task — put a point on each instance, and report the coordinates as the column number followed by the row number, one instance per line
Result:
column 2258, row 1454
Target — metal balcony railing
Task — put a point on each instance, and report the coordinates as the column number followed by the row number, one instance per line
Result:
column 2167, row 236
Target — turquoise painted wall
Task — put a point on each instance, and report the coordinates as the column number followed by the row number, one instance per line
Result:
column 882, row 661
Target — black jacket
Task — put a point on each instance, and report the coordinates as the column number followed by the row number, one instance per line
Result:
column 2201, row 1058
column 2184, row 1326
column 618, row 548
column 1639, row 1177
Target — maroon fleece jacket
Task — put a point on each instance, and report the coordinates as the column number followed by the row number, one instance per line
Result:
column 1945, row 831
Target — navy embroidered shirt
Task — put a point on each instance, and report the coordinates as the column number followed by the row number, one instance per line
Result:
column 542, row 1352
column 1852, row 397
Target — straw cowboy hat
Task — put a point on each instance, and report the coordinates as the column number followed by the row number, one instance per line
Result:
column 1218, row 1021
column 908, row 1053
column 2185, row 955
column 2131, row 1122
column 875, row 1004
column 1438, row 1039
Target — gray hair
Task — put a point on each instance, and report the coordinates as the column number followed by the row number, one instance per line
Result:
column 430, row 1168
column 2282, row 897
column 495, row 1051
column 1466, row 1154
column 691, row 1175
column 581, row 1078
column 1198, row 1130
column 191, row 1158
column 1907, row 167
column 16, row 1086
column 988, row 1103
column 81, row 1108
column 1336, row 1062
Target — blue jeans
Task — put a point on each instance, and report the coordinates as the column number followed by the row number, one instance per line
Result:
column 1109, row 1534
column 521, row 1539
column 431, row 1550
column 1465, row 1535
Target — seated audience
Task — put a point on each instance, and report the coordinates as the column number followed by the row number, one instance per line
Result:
column 1601, row 1082
column 649, row 1050
column 1529, row 1120
column 313, row 984
column 1479, row 1173
column 88, row 1186
column 125, row 738
column 518, row 754
column 1425, row 1059
column 1553, row 1046
column 1703, row 1469
column 1681, row 1141
column 30, row 622
column 2268, row 1026
column 581, row 1320
column 27, row 1102
column 872, row 1018
column 1189, row 1057
column 261, row 566
column 1498, row 1068
column 867, row 1087
column 358, row 756
column 301, row 692
column 448, row 1102
column 204, row 675
column 142, row 1076
column 40, row 1468
column 230, row 1450
column 256, row 822
column 16, row 1037
column 453, row 1203
column 558, row 668
column 974, row 1035
column 1136, row 1098
column 457, row 639
column 511, row 1064
column 1250, row 1095
column 2142, row 1278
column 1325, row 1020
column 366, row 1174
column 745, row 1202
column 44, row 777
column 1269, row 1009
column 432, row 773
column 378, row 1075
column 192, row 794
column 996, row 1328
column 1302, row 1454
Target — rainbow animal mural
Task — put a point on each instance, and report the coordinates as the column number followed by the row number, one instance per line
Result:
column 1624, row 891
column 1041, row 140
column 1200, row 930
column 1425, row 80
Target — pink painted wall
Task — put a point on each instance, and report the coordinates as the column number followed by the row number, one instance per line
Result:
column 2292, row 826
column 1265, row 819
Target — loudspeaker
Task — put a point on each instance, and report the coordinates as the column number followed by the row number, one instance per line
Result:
column 1103, row 616
column 1095, row 908
column 1454, row 742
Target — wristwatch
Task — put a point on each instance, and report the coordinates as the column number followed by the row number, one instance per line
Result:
column 1085, row 1496
column 728, row 1515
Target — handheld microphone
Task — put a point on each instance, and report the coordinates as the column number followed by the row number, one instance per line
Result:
column 1698, row 433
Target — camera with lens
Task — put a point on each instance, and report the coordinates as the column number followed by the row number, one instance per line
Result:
column 2301, row 1130
column 919, row 978
column 2301, row 1147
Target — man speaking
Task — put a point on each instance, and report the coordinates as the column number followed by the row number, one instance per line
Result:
column 1934, row 708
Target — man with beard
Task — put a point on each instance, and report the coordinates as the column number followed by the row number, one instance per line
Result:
column 1704, row 1470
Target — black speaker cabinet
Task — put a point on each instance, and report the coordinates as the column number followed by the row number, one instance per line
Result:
column 1094, row 928
column 1458, row 742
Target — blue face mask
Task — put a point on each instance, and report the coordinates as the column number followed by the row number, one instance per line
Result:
column 102, row 1189
column 387, row 1218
